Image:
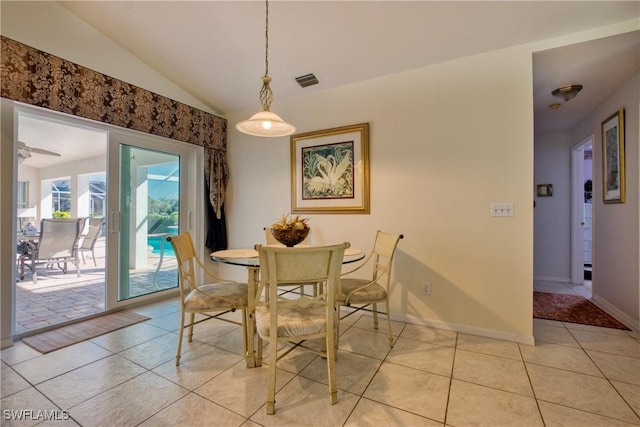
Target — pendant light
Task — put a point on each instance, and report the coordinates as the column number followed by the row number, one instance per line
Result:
column 265, row 123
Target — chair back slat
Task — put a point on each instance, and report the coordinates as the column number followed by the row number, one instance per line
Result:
column 313, row 264
column 384, row 249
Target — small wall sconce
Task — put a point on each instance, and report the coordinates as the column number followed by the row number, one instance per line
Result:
column 545, row 190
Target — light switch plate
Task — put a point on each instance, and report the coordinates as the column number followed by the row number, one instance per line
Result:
column 502, row 209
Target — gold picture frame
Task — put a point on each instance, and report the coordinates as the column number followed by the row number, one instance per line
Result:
column 330, row 170
column 613, row 173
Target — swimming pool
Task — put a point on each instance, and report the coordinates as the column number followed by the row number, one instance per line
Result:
column 154, row 243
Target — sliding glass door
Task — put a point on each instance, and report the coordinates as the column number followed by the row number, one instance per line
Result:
column 149, row 213
column 139, row 188
column 151, row 201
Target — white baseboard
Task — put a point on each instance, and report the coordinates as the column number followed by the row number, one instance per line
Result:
column 552, row 279
column 616, row 312
column 465, row 329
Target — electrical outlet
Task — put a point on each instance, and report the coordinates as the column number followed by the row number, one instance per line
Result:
column 426, row 288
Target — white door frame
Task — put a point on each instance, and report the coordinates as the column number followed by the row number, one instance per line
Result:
column 577, row 211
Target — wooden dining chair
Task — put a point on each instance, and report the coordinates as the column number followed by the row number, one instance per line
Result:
column 360, row 293
column 281, row 319
column 198, row 295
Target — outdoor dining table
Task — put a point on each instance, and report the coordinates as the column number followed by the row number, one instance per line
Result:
column 249, row 258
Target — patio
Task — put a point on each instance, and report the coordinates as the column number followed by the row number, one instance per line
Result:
column 59, row 297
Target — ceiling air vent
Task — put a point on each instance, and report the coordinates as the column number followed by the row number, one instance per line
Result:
column 307, row 80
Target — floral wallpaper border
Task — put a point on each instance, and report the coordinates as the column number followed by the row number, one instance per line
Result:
column 38, row 78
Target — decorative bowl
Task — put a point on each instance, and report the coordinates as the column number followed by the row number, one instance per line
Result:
column 290, row 236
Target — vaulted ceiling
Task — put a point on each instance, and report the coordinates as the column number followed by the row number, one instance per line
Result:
column 215, row 50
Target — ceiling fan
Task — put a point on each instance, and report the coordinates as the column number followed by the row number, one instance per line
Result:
column 24, row 151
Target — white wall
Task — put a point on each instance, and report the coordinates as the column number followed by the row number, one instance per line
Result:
column 552, row 215
column 445, row 142
column 616, row 278
column 48, row 26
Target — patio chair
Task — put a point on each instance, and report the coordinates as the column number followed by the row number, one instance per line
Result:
column 280, row 319
column 369, row 292
column 56, row 244
column 89, row 240
column 220, row 296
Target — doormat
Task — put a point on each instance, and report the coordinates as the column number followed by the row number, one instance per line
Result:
column 78, row 332
column 572, row 309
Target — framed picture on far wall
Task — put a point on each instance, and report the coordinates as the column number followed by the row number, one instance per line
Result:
column 613, row 158
column 330, row 170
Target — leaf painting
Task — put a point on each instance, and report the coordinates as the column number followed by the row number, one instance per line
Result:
column 327, row 171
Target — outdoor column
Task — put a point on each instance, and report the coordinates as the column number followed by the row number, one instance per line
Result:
column 83, row 196
column 46, row 199
column 139, row 211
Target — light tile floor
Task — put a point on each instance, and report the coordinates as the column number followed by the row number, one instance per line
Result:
column 575, row 375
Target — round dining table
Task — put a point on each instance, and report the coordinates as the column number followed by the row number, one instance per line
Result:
column 250, row 259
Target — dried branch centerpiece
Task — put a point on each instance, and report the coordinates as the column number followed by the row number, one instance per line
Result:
column 290, row 230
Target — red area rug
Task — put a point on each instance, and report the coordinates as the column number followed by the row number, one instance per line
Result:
column 572, row 309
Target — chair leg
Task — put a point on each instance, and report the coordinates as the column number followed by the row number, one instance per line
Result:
column 331, row 366
column 271, row 383
column 375, row 316
column 192, row 318
column 178, row 353
column 93, row 255
column 245, row 338
column 391, row 341
column 258, row 348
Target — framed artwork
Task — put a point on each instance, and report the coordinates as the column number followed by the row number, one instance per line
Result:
column 330, row 170
column 613, row 158
column 545, row 190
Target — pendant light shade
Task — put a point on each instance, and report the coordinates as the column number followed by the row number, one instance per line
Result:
column 265, row 123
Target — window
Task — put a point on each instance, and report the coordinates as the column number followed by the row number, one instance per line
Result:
column 61, row 195
column 23, row 194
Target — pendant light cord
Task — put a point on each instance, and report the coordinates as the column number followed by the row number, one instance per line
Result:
column 266, row 96
column 266, row 123
column 266, row 38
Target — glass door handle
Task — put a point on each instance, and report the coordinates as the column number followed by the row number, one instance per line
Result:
column 115, row 222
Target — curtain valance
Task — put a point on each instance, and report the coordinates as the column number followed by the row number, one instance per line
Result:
column 34, row 77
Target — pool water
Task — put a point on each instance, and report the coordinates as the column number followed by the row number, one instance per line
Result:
column 154, row 243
